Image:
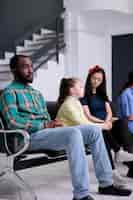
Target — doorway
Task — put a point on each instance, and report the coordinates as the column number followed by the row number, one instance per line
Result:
column 122, row 61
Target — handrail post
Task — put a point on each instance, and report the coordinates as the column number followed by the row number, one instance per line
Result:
column 57, row 38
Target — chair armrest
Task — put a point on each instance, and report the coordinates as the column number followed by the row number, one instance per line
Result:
column 26, row 139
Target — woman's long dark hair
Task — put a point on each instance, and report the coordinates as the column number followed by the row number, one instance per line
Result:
column 101, row 89
column 64, row 90
column 129, row 82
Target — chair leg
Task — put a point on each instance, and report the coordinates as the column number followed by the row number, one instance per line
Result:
column 26, row 186
column 23, row 188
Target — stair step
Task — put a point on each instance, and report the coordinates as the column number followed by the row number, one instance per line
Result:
column 37, row 36
column 40, row 37
column 4, row 68
column 26, row 53
column 9, row 55
column 34, row 45
column 4, row 83
column 52, row 34
column 6, row 76
column 28, row 48
column 31, row 43
column 46, row 31
column 4, row 61
column 49, row 38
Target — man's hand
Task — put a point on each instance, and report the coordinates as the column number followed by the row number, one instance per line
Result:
column 53, row 124
column 58, row 123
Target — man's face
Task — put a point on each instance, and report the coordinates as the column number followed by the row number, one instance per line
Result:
column 24, row 70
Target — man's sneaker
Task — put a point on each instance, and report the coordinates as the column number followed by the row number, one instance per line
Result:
column 113, row 190
column 85, row 198
column 122, row 156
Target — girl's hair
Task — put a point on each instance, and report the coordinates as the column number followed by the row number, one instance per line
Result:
column 101, row 89
column 129, row 81
column 64, row 90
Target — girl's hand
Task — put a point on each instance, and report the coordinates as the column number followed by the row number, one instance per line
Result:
column 114, row 119
column 107, row 125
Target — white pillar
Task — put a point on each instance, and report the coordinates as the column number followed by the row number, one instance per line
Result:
column 71, row 40
column 108, row 63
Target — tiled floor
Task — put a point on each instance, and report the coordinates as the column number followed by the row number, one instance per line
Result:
column 52, row 182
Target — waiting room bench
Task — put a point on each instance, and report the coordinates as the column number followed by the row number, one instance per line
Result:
column 35, row 157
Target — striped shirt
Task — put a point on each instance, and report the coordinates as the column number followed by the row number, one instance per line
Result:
column 23, row 107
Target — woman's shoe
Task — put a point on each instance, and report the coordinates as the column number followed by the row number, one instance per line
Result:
column 118, row 180
column 122, row 156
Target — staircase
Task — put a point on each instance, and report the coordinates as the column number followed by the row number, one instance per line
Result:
column 43, row 46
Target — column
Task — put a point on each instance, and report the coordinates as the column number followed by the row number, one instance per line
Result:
column 71, row 40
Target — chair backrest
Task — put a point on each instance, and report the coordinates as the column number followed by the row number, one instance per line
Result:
column 113, row 108
column 52, row 108
column 3, row 124
column 2, row 136
column 12, row 141
column 7, row 141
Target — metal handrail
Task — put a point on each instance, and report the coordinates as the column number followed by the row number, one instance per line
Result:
column 26, row 141
column 50, row 55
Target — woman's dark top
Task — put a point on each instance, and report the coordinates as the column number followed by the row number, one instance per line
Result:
column 96, row 106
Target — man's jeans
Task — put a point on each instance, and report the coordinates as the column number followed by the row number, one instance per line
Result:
column 72, row 139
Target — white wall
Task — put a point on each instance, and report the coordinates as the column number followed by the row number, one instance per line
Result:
column 47, row 80
column 94, row 50
column 91, row 52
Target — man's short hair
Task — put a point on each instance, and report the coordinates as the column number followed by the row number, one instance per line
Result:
column 14, row 60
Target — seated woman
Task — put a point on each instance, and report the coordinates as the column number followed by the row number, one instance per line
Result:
column 125, row 111
column 125, row 106
column 71, row 113
column 97, row 109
